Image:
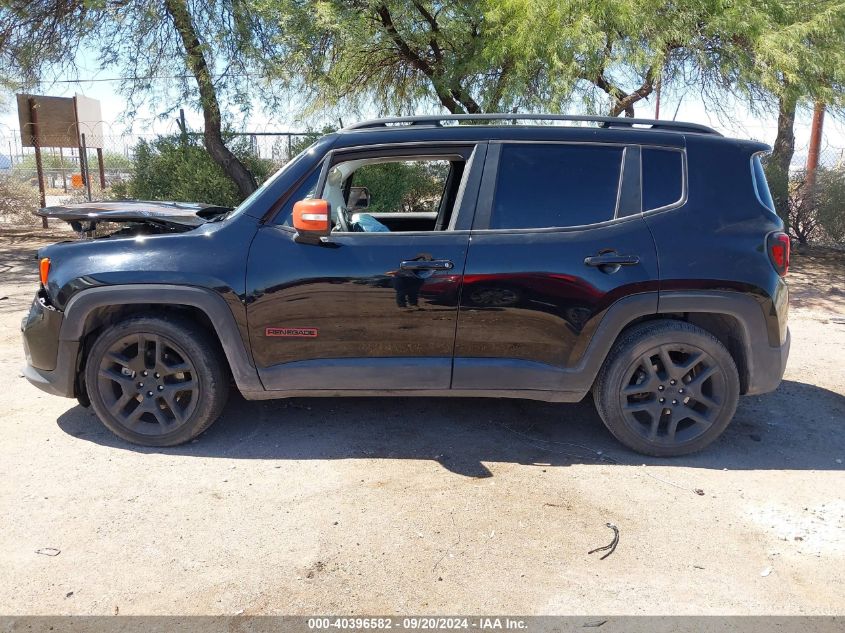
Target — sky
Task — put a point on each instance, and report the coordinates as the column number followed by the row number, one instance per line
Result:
column 731, row 118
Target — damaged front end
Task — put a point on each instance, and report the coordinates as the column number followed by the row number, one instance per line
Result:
column 128, row 218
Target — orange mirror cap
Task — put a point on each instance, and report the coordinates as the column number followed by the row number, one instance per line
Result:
column 44, row 269
column 312, row 216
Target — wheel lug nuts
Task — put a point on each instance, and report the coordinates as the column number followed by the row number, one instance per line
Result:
column 149, row 393
column 674, row 402
column 140, row 385
column 662, row 400
column 661, row 388
column 161, row 387
column 143, row 373
column 157, row 376
column 680, row 391
column 672, row 382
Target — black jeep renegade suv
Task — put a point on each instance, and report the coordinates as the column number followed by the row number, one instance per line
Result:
column 638, row 260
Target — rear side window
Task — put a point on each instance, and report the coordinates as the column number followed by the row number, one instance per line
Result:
column 550, row 185
column 663, row 177
column 761, row 185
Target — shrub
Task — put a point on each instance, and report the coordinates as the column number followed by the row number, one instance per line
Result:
column 817, row 213
column 176, row 168
column 18, row 201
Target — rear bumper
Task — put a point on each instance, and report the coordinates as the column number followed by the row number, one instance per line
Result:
column 769, row 363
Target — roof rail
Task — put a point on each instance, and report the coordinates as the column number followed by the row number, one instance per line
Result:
column 604, row 121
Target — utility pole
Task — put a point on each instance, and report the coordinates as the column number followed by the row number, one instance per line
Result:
column 815, row 145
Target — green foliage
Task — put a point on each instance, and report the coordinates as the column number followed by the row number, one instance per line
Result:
column 18, row 201
column 170, row 168
column 403, row 186
column 529, row 55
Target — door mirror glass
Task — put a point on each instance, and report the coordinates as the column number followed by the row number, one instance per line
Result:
column 312, row 219
column 359, row 198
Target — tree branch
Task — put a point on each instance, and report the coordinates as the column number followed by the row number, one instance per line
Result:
column 448, row 97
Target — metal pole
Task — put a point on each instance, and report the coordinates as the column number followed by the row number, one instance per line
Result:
column 102, row 169
column 84, row 159
column 815, row 145
column 62, row 167
column 39, row 168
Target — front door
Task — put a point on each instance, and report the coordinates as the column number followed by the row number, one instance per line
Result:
column 374, row 307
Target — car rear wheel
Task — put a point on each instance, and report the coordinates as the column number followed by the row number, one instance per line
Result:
column 667, row 388
column 156, row 381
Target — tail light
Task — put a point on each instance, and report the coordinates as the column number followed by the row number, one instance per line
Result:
column 778, row 248
column 44, row 270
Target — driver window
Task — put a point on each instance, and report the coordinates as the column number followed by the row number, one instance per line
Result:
column 377, row 195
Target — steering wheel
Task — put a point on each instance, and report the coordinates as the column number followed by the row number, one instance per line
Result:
column 343, row 222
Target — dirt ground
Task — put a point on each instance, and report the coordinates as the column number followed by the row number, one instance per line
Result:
column 398, row 506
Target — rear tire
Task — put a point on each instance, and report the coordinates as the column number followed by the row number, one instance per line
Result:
column 667, row 388
column 156, row 381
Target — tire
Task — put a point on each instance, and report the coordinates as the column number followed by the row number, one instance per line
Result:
column 685, row 366
column 184, row 376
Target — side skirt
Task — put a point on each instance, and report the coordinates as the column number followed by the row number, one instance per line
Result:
column 525, row 394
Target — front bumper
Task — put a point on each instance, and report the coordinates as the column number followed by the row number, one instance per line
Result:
column 768, row 365
column 50, row 362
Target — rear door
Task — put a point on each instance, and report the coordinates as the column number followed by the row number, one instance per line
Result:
column 557, row 239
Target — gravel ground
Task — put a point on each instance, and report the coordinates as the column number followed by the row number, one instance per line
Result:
column 400, row 506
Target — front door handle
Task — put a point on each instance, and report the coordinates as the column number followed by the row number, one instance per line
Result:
column 432, row 264
column 612, row 259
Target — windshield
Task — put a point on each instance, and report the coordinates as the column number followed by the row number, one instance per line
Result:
column 255, row 195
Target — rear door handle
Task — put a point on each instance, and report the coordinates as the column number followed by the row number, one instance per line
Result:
column 612, row 259
column 432, row 264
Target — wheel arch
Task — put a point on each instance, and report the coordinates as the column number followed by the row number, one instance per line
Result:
column 90, row 310
column 734, row 318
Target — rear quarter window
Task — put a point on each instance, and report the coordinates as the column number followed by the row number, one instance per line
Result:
column 662, row 177
column 761, row 185
column 555, row 185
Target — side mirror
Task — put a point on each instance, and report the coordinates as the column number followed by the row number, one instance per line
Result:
column 312, row 220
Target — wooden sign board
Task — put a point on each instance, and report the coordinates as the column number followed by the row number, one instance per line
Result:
column 60, row 121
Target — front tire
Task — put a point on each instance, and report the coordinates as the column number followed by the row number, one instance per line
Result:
column 156, row 381
column 667, row 388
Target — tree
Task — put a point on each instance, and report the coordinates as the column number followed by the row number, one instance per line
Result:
column 204, row 52
column 473, row 56
column 794, row 53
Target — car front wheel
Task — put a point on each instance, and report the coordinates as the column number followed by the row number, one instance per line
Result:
column 156, row 381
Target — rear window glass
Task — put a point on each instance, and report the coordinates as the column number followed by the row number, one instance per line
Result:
column 549, row 185
column 761, row 185
column 663, row 177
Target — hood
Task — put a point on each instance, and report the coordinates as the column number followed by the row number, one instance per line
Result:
column 181, row 214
